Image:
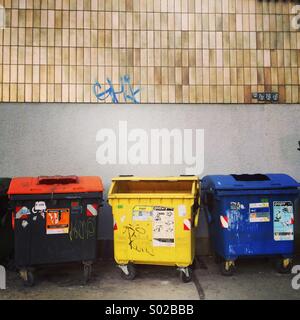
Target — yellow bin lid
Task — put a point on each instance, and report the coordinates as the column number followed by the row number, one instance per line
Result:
column 154, row 187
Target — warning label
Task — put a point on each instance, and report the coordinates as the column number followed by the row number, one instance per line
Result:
column 283, row 220
column 57, row 221
column 163, row 227
column 142, row 213
column 259, row 212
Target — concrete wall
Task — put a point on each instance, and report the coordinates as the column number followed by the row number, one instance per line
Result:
column 46, row 139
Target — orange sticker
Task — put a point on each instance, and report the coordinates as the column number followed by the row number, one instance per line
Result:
column 57, row 221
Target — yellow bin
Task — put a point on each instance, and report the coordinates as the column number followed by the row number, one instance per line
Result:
column 154, row 222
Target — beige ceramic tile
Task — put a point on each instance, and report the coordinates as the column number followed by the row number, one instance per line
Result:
column 181, row 51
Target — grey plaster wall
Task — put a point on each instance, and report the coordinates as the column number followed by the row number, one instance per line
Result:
column 47, row 139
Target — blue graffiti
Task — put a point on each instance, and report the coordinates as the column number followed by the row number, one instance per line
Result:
column 129, row 94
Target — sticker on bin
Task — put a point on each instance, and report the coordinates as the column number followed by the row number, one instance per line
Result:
column 187, row 225
column 236, row 206
column 39, row 207
column 181, row 210
column 115, row 226
column 24, row 223
column 22, row 212
column 57, row 221
column 259, row 212
column 142, row 213
column 224, row 222
column 163, row 227
column 283, row 220
column 92, row 210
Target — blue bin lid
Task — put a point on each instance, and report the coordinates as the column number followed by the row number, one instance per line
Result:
column 249, row 182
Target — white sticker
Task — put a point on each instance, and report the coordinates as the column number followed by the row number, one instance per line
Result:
column 39, row 207
column 24, row 223
column 181, row 210
column 123, row 219
column 163, row 227
column 259, row 205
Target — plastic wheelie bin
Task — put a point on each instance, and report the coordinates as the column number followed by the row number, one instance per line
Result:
column 6, row 233
column 55, row 221
column 250, row 215
column 154, row 222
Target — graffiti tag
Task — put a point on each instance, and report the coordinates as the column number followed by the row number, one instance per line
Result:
column 82, row 230
column 126, row 89
column 134, row 233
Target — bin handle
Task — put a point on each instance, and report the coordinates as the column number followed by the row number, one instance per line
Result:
column 209, row 217
column 196, row 219
column 57, row 179
column 196, row 216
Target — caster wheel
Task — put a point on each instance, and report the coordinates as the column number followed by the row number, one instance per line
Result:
column 131, row 272
column 28, row 279
column 184, row 277
column 284, row 266
column 227, row 268
column 87, row 272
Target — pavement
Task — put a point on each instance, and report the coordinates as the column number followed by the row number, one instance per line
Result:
column 254, row 279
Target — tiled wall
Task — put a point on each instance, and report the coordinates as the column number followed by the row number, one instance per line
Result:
column 150, row 51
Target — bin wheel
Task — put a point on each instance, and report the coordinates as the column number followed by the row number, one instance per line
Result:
column 28, row 278
column 87, row 272
column 185, row 278
column 227, row 268
column 284, row 266
column 131, row 272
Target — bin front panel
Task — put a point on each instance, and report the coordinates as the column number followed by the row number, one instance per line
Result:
column 153, row 231
column 54, row 231
column 247, row 225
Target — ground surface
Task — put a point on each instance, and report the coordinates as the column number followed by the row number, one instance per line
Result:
column 255, row 279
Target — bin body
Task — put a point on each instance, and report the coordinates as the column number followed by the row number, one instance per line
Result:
column 155, row 220
column 247, row 217
column 6, row 233
column 55, row 219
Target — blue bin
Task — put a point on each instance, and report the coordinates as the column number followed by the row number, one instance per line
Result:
column 251, row 215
